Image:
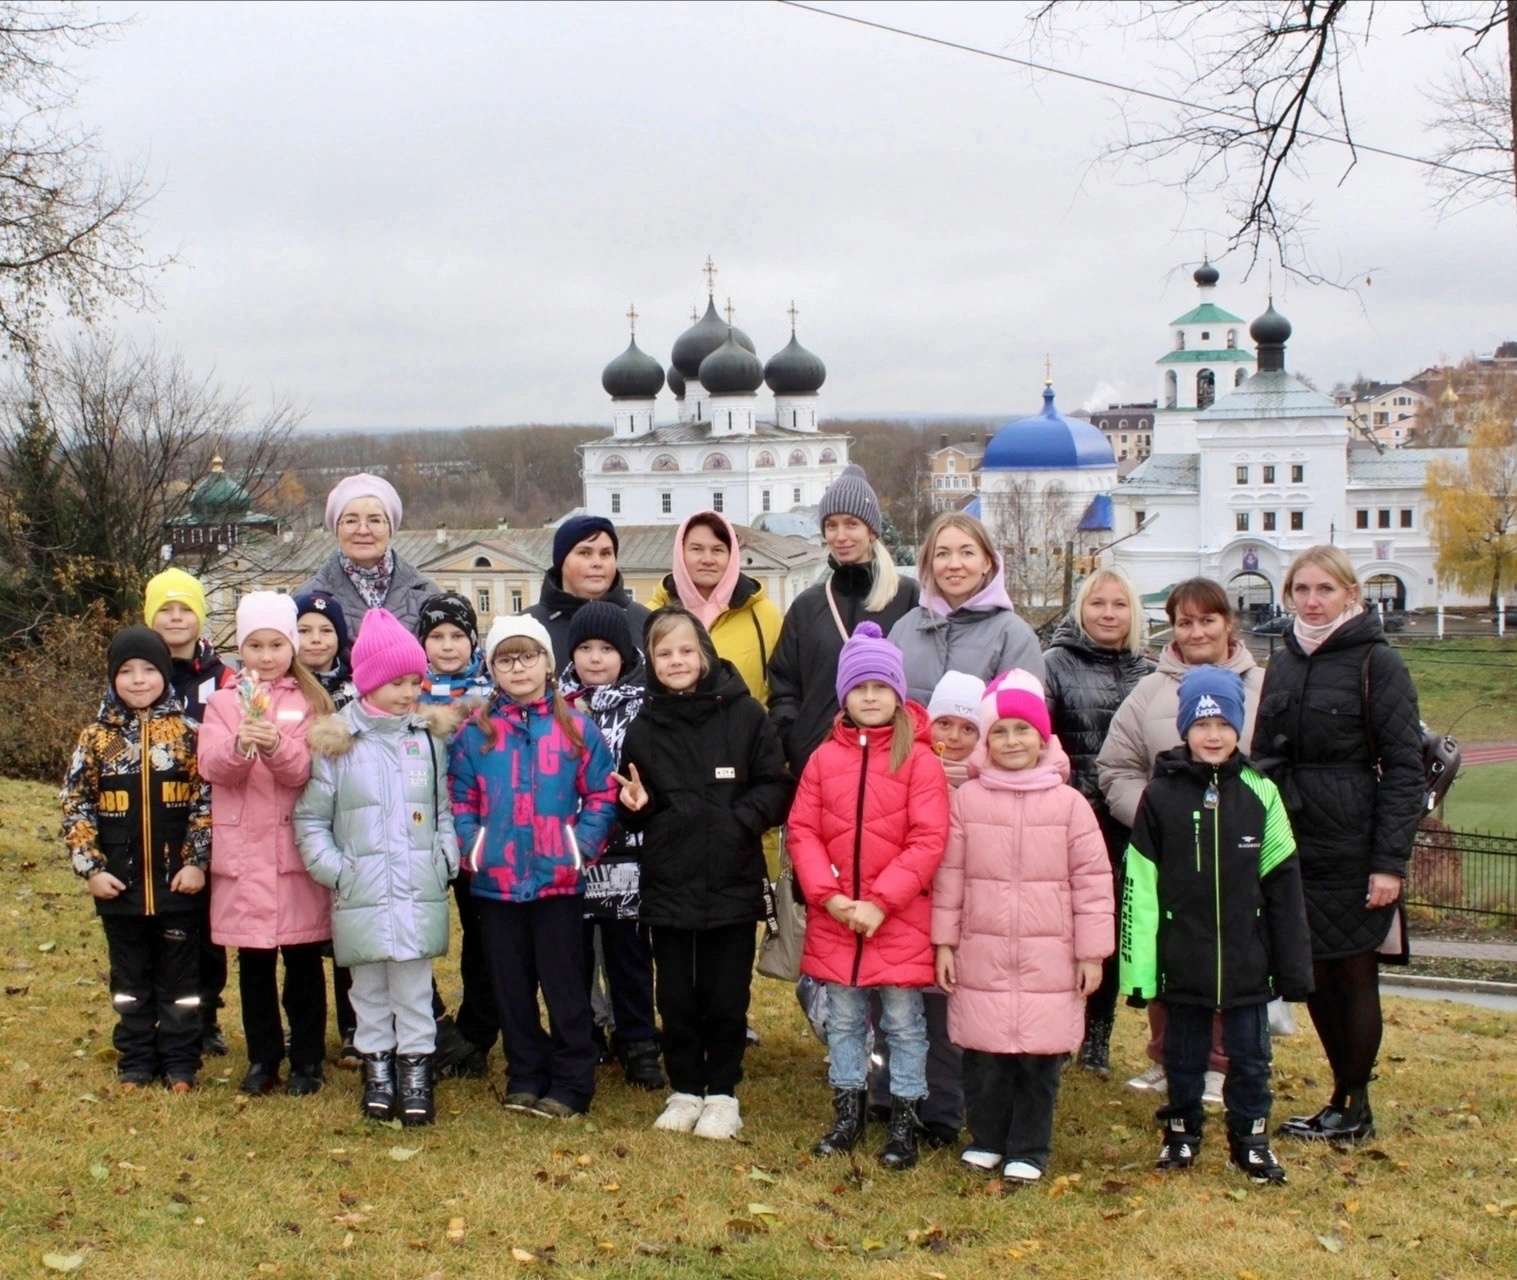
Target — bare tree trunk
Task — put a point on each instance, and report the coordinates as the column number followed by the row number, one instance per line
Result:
column 1511, row 78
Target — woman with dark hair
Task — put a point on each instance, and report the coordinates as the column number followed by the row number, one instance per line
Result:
column 744, row 624
column 1093, row 662
column 1205, row 632
column 363, row 514
column 1338, row 732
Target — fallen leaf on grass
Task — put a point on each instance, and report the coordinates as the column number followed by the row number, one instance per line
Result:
column 522, row 1255
column 651, row 1248
column 45, row 947
column 63, row 1261
column 612, row 1187
column 584, row 1161
column 1331, row 1241
column 743, row 1228
column 762, row 1210
column 99, row 1172
column 455, row 1228
column 403, row 1153
column 756, row 1174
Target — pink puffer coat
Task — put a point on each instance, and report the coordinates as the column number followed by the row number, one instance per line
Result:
column 261, row 895
column 1024, row 893
column 889, row 859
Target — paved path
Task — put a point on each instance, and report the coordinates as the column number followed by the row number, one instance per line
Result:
column 1484, row 999
column 1459, row 949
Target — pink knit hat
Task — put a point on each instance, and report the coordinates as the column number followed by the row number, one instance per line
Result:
column 385, row 651
column 267, row 611
column 1016, row 695
column 363, row 485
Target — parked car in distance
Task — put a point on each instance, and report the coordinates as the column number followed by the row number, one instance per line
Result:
column 1276, row 626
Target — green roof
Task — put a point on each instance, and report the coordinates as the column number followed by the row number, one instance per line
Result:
column 1205, row 357
column 1208, row 313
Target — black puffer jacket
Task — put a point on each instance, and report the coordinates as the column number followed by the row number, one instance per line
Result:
column 803, row 673
column 1085, row 685
column 716, row 781
column 1312, row 736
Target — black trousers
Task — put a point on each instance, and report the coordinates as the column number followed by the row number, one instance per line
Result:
column 1010, row 1100
column 212, row 963
column 304, row 1001
column 1187, row 1047
column 155, row 990
column 532, row 946
column 703, row 980
column 476, row 1016
column 628, row 959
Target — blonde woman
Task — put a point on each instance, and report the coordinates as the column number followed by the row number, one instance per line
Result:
column 1093, row 662
column 1338, row 732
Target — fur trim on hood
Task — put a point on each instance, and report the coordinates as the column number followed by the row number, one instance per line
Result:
column 332, row 736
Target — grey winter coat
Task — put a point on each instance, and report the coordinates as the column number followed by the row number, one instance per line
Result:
column 977, row 641
column 375, row 826
column 408, row 588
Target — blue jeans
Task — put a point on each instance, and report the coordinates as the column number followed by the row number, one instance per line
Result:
column 905, row 1029
column 1187, row 1046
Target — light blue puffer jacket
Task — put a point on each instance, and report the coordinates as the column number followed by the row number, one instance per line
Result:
column 374, row 825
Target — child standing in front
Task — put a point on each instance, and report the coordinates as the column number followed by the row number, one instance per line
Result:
column 1022, row 916
column 253, row 752
column 375, row 827
column 1213, row 918
column 866, row 835
column 533, row 802
column 173, row 604
column 137, row 825
column 703, row 777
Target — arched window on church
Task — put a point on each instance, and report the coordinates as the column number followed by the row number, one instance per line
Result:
column 765, row 459
column 798, row 458
column 1171, row 390
column 614, row 463
column 1179, row 339
column 483, row 562
column 829, row 456
column 1232, row 339
column 1238, row 377
column 717, row 462
column 1206, row 389
column 666, row 462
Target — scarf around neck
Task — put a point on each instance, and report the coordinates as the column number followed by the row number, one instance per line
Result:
column 1312, row 638
column 373, row 585
column 707, row 608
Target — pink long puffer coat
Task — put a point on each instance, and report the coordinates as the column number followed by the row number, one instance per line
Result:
column 1023, row 894
column 889, row 858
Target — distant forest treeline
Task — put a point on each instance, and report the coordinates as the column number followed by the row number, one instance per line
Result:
column 476, row 477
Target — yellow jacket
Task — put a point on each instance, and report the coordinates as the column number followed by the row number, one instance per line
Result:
column 745, row 634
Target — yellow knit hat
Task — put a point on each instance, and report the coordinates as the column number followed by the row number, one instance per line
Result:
column 173, row 586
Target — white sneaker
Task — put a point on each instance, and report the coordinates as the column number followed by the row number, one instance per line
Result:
column 719, row 1117
column 980, row 1160
column 680, row 1113
column 1211, row 1091
column 1021, row 1171
column 1152, row 1079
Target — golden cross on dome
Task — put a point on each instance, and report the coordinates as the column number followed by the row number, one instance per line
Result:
column 729, row 313
column 710, row 272
column 793, row 314
column 694, row 315
column 1047, row 370
column 632, row 317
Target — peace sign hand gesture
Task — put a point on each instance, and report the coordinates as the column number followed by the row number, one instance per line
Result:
column 634, row 795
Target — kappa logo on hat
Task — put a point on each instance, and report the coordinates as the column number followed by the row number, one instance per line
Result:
column 1208, row 707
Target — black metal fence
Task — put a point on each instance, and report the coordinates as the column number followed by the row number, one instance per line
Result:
column 1466, row 871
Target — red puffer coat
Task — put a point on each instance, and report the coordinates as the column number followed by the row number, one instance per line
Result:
column 862, row 831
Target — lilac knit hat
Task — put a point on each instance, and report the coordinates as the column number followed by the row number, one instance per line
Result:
column 867, row 655
column 385, row 651
column 363, row 485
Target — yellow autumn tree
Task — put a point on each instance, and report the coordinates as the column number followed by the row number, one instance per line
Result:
column 1473, row 510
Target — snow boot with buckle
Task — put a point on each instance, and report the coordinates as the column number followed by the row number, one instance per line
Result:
column 848, row 1120
column 900, row 1151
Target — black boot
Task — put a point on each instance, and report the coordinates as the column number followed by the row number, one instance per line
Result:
column 640, row 1063
column 1346, row 1119
column 415, row 1079
column 378, row 1086
column 901, row 1138
column 1182, row 1144
column 1095, row 1052
column 847, row 1123
column 1248, row 1146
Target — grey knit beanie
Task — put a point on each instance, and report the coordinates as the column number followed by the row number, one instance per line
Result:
column 851, row 495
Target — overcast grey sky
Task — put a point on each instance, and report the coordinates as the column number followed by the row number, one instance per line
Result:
column 438, row 214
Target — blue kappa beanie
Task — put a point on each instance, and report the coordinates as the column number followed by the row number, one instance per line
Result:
column 577, row 529
column 1210, row 691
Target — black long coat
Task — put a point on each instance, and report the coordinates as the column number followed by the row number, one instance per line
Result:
column 716, row 781
column 1312, row 737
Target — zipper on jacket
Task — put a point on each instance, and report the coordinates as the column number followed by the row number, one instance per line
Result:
column 1195, row 831
column 143, row 723
column 1216, row 863
column 858, row 848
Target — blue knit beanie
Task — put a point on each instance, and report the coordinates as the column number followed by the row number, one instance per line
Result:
column 323, row 603
column 1210, row 691
column 577, row 529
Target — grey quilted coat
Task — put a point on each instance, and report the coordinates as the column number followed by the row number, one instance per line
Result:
column 375, row 826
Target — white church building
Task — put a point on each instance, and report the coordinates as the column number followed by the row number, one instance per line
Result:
column 1251, row 466
column 726, row 450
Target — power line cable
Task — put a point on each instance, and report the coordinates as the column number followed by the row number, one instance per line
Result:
column 1132, row 90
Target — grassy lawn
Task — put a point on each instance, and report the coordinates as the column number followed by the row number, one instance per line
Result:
column 1456, row 675
column 208, row 1184
column 1484, row 798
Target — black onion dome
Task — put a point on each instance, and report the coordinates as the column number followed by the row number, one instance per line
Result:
column 1271, row 329
column 731, row 369
column 633, row 375
column 794, row 371
column 704, row 337
column 1206, row 274
column 676, row 382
